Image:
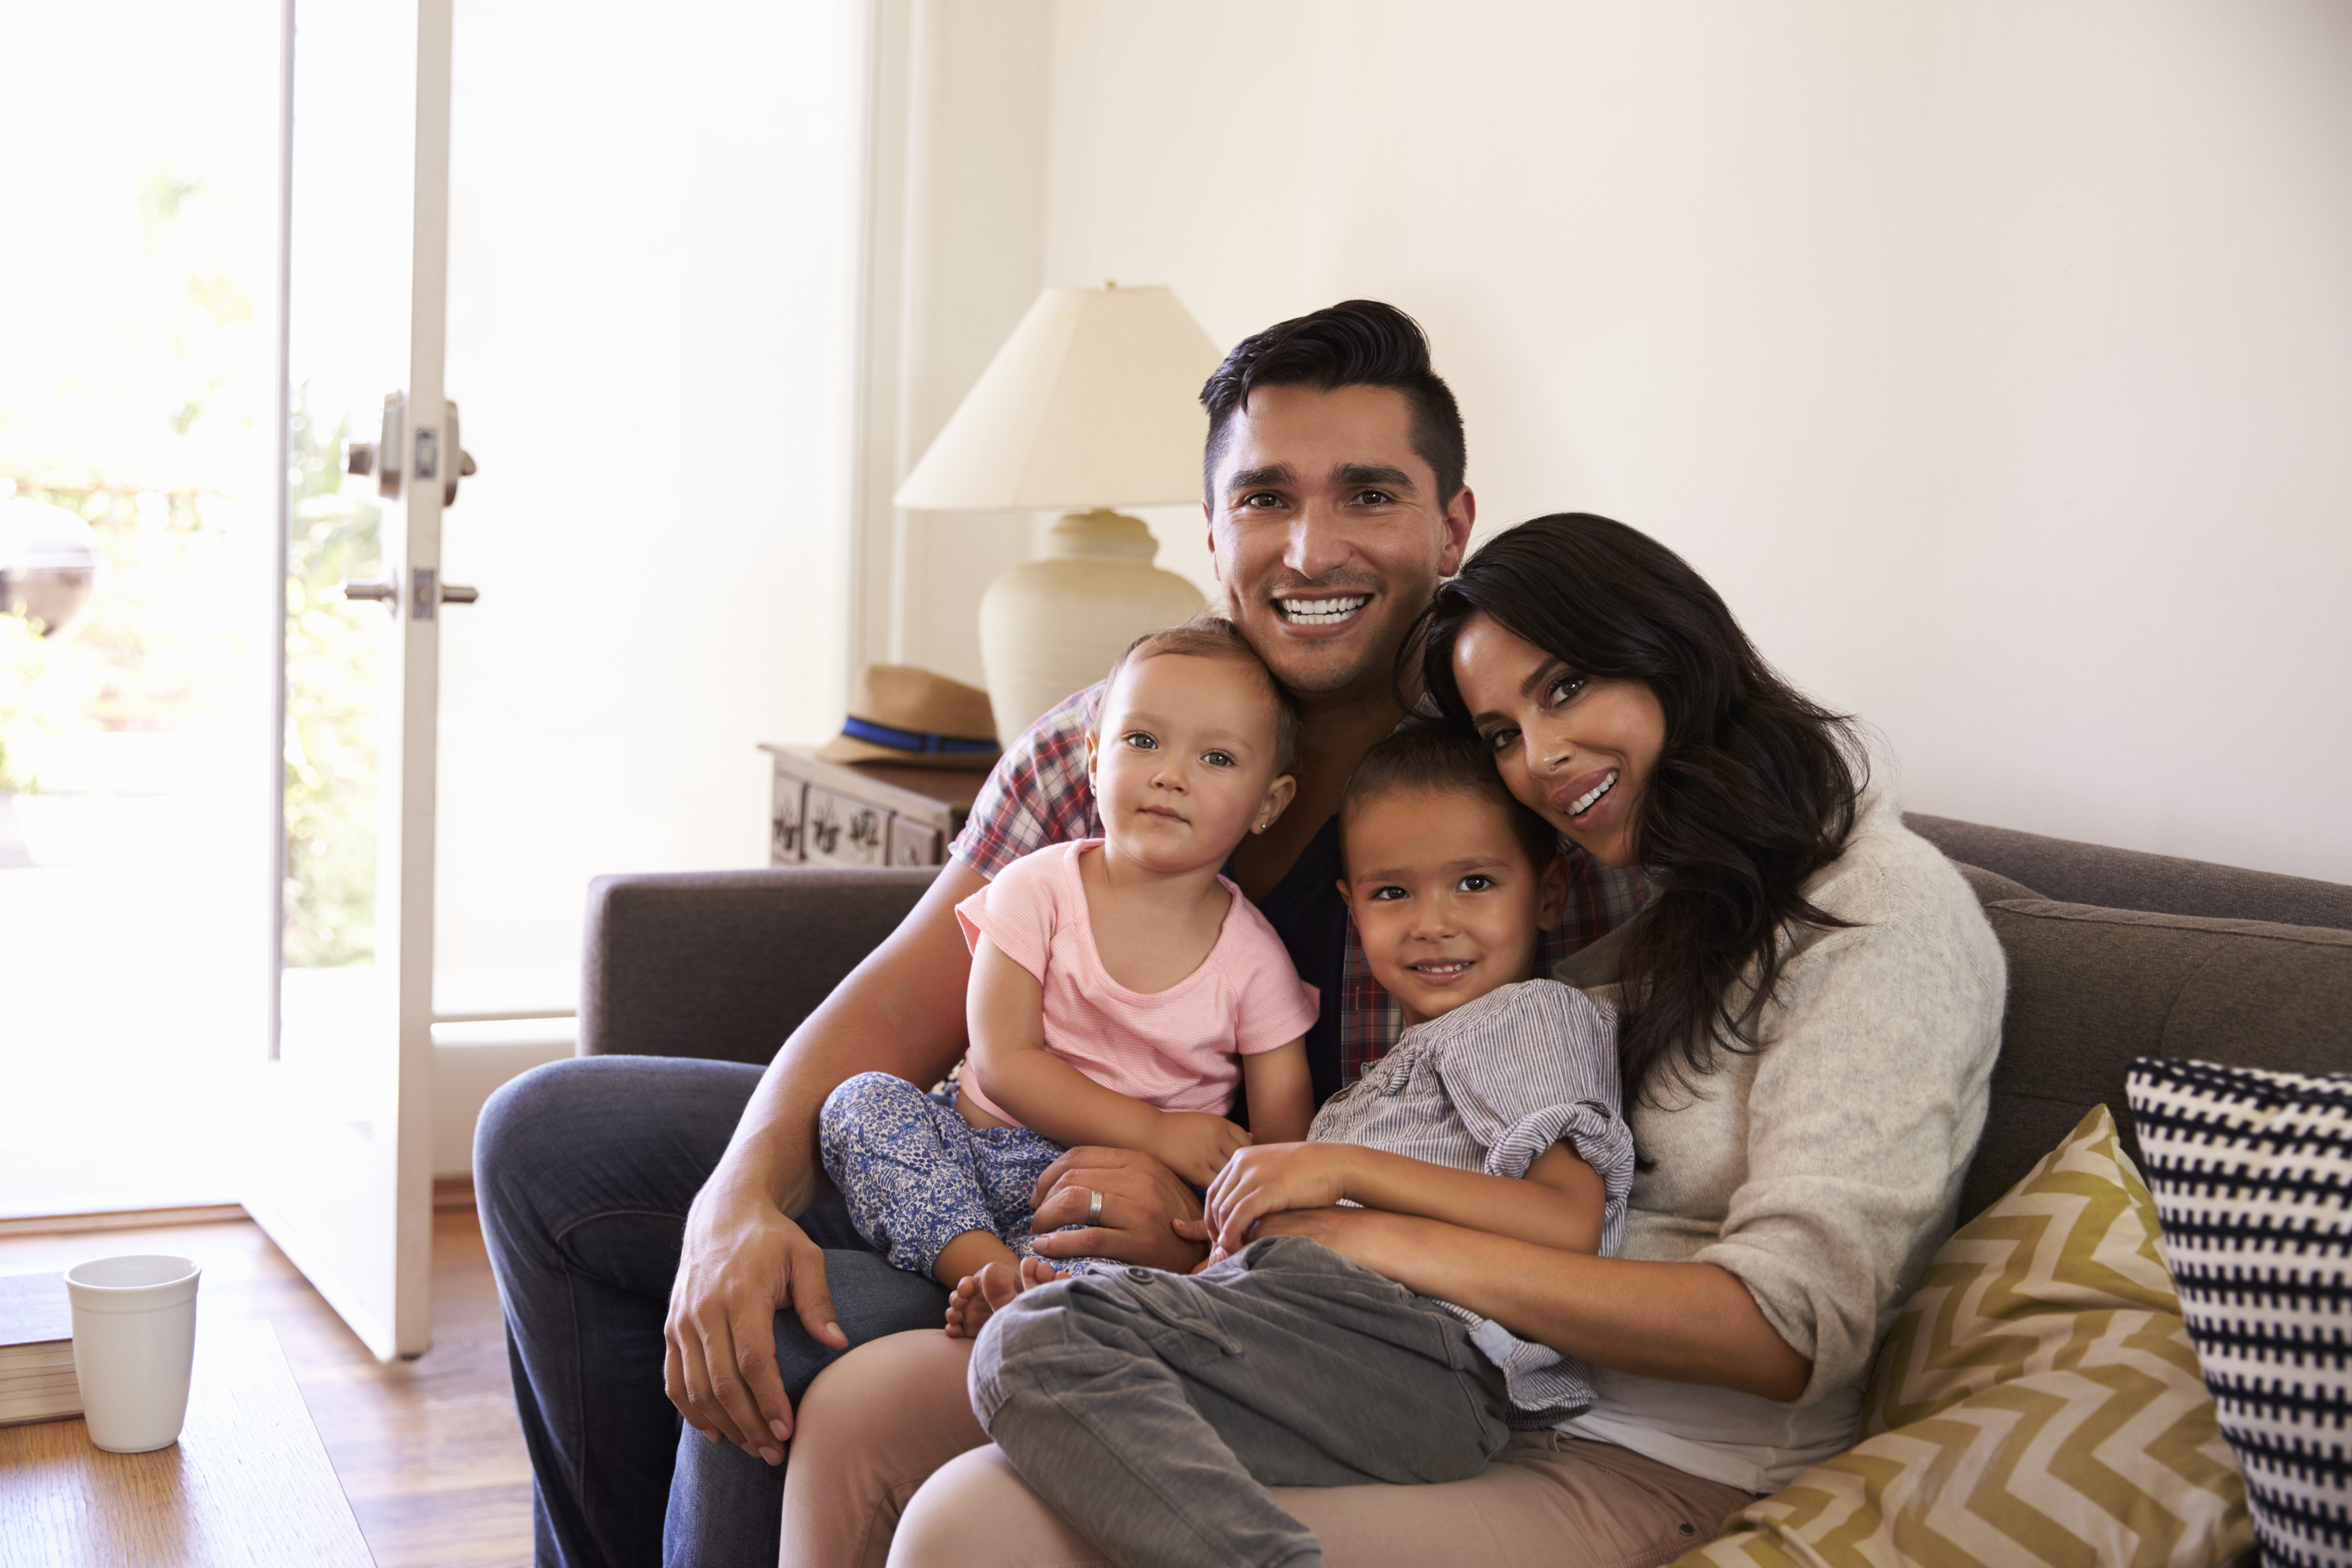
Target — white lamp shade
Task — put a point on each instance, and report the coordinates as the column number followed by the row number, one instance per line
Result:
column 1094, row 401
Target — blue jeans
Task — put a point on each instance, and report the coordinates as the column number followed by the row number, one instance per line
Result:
column 584, row 1171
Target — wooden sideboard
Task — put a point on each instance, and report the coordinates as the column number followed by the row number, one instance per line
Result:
column 865, row 814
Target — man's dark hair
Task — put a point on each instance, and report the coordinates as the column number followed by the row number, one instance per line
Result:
column 1425, row 756
column 1357, row 342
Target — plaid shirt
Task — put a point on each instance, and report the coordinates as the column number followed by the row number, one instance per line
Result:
column 1038, row 794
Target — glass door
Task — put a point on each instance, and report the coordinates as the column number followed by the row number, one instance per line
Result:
column 342, row 1175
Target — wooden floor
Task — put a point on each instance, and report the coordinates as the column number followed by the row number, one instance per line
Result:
column 428, row 1451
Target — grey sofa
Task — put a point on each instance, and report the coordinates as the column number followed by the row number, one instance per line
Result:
column 2112, row 954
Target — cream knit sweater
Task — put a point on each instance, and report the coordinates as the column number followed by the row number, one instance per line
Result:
column 1824, row 1170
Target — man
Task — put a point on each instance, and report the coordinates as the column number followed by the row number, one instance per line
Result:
column 1335, row 503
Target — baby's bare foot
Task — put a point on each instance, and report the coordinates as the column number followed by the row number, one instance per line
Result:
column 967, row 1307
column 977, row 1297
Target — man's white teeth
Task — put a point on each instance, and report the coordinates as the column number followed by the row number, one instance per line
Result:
column 1583, row 803
column 1323, row 612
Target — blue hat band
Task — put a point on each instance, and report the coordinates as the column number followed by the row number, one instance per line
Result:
column 915, row 741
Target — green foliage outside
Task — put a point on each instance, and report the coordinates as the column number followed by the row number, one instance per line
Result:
column 334, row 650
column 147, row 430
column 35, row 701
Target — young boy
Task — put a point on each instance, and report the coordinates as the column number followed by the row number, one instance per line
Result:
column 1152, row 1410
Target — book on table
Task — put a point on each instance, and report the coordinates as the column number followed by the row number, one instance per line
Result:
column 36, row 1365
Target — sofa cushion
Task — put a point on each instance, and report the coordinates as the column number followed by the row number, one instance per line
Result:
column 2251, row 1173
column 2090, row 990
column 2037, row 1400
column 1991, row 887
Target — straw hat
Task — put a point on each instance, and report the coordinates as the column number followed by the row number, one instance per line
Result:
column 910, row 717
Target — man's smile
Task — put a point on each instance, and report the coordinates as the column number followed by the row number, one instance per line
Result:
column 1326, row 610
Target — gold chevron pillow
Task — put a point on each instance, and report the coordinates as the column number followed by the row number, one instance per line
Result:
column 2036, row 1401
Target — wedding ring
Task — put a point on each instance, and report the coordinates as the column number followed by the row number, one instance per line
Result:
column 1094, row 1206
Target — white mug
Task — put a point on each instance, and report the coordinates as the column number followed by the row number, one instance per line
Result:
column 134, row 1342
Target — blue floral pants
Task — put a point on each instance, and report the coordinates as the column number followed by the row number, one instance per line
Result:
column 915, row 1174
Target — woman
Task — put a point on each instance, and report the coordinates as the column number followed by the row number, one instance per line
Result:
column 1811, row 1004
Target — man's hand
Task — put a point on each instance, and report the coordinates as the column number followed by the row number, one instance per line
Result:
column 743, row 1260
column 1143, row 1201
column 1195, row 1145
column 1264, row 1181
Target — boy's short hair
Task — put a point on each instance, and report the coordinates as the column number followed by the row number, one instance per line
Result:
column 1428, row 755
column 1211, row 636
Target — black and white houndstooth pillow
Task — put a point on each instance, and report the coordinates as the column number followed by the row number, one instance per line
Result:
column 2252, row 1176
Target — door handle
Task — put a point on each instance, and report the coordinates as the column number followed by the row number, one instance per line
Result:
column 387, row 591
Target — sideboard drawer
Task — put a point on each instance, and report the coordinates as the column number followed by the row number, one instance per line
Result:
column 834, row 814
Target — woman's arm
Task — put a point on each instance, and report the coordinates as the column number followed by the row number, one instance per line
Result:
column 1689, row 1322
column 1006, row 1009
column 1558, row 1204
column 1281, row 1093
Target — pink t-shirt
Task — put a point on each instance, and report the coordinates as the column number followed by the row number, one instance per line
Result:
column 1176, row 1049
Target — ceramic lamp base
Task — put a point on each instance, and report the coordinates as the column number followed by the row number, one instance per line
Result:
column 1050, row 627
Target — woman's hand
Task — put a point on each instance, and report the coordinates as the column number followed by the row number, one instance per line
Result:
column 1193, row 1144
column 1144, row 1215
column 1257, row 1181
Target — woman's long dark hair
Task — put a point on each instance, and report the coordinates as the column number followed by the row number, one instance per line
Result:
column 1753, row 793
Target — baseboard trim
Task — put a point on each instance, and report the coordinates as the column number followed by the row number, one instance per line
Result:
column 121, row 1219
column 449, row 1194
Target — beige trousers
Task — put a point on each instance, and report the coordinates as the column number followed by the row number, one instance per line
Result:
column 878, row 1423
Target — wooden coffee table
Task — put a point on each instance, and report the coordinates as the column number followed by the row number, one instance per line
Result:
column 247, row 1482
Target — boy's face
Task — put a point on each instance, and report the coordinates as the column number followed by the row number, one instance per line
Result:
column 1445, row 901
column 1183, row 764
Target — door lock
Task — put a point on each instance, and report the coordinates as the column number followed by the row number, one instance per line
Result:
column 362, row 459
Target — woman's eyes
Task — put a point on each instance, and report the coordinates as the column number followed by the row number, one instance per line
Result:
column 1501, row 741
column 1566, row 687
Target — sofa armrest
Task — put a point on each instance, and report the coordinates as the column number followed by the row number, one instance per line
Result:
column 725, row 965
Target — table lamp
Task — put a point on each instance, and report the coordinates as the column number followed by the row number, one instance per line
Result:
column 1093, row 403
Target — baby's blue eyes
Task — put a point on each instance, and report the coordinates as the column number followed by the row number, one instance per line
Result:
column 1139, row 740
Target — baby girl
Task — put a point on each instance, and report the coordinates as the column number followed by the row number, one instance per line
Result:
column 1120, row 988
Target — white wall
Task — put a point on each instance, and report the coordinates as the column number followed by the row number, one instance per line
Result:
column 1995, row 360
column 955, row 254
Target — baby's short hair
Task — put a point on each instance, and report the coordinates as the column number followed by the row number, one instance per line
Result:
column 1214, row 637
column 1427, row 755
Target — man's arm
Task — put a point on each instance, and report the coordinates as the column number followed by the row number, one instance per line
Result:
column 901, row 1011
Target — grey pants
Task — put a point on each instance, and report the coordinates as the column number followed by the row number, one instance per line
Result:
column 1152, row 1410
